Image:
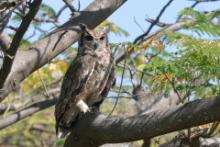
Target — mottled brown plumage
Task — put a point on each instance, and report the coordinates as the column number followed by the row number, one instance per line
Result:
column 87, row 81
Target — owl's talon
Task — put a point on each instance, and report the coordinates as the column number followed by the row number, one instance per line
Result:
column 83, row 107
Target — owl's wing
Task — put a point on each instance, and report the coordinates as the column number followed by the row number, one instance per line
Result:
column 110, row 82
column 74, row 79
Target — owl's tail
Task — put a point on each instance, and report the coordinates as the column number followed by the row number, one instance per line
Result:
column 65, row 122
column 69, row 118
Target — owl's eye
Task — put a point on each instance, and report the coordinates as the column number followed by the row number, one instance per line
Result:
column 89, row 38
column 102, row 38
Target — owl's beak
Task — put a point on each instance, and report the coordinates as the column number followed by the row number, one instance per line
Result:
column 95, row 45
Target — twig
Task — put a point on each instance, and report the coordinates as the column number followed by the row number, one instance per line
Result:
column 44, row 85
column 125, row 92
column 160, row 24
column 116, row 102
column 133, row 69
column 212, row 129
column 142, row 74
column 141, row 37
column 195, row 4
column 174, row 88
column 60, row 11
column 69, row 5
column 138, row 25
column 79, row 5
column 131, row 77
column 6, row 68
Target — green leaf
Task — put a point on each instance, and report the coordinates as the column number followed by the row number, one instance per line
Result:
column 46, row 10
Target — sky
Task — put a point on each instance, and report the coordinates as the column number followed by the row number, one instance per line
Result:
column 139, row 10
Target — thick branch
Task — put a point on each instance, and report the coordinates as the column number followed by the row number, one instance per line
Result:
column 46, row 49
column 114, row 130
column 34, row 7
column 26, row 112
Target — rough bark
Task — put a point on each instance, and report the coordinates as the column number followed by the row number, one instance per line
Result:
column 145, row 125
column 27, row 61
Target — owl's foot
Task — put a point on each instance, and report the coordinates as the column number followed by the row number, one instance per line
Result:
column 83, row 107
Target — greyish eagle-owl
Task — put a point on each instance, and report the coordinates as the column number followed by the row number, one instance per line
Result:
column 87, row 81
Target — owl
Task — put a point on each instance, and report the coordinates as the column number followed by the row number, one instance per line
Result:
column 87, row 81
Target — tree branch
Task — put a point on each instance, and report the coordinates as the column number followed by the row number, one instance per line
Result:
column 155, row 22
column 36, row 107
column 69, row 5
column 46, row 49
column 158, row 23
column 34, row 7
column 118, row 129
column 159, row 122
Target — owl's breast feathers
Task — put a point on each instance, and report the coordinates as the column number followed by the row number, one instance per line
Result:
column 88, row 78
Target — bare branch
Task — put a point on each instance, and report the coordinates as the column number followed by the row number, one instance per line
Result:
column 17, row 39
column 60, row 11
column 152, row 24
column 69, row 5
column 26, row 112
column 160, row 24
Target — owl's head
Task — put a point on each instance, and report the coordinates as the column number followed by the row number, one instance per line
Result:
column 92, row 40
